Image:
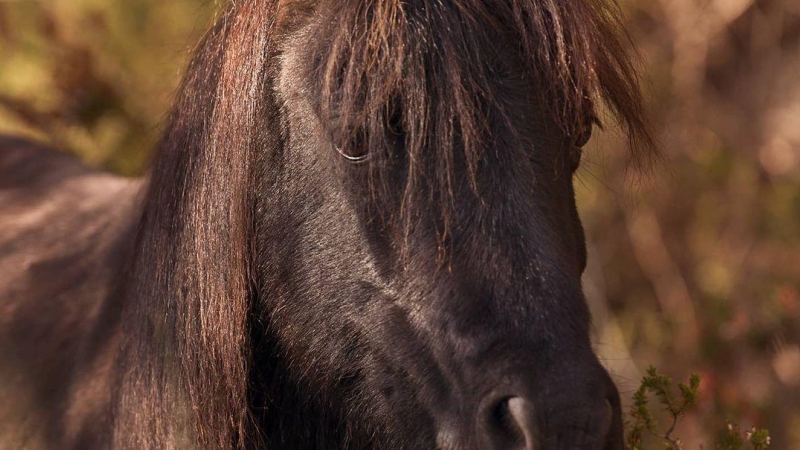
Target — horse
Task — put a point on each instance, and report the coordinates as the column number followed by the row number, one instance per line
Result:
column 358, row 231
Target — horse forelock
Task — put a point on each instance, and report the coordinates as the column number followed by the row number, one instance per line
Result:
column 427, row 67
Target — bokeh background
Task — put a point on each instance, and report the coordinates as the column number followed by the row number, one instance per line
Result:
column 694, row 264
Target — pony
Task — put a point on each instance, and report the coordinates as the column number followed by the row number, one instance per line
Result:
column 358, row 231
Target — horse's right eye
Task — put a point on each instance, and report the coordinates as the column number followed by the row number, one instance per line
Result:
column 584, row 135
column 575, row 155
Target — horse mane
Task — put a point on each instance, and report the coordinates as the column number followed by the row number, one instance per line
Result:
column 185, row 360
column 184, row 364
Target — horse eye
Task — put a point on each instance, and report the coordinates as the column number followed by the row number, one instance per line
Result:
column 581, row 138
column 355, row 151
column 585, row 134
column 575, row 154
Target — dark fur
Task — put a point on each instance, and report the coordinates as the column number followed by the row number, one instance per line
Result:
column 269, row 293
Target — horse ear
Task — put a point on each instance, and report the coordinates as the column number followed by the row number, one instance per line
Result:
column 185, row 353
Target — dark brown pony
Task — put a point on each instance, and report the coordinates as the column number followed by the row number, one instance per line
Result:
column 359, row 231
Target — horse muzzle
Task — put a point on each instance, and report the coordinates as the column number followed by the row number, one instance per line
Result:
column 574, row 410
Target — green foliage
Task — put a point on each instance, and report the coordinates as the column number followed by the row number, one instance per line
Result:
column 734, row 439
column 677, row 404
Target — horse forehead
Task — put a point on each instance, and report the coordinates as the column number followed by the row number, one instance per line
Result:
column 285, row 9
column 296, row 5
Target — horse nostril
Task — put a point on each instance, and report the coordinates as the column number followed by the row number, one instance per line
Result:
column 510, row 423
column 522, row 415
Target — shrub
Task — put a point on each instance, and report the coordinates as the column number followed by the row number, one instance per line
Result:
column 676, row 404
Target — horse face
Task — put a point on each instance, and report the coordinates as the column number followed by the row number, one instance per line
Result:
column 424, row 314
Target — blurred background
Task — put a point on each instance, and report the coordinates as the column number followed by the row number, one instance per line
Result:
column 694, row 264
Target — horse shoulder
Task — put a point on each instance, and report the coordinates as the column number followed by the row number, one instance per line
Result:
column 64, row 229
